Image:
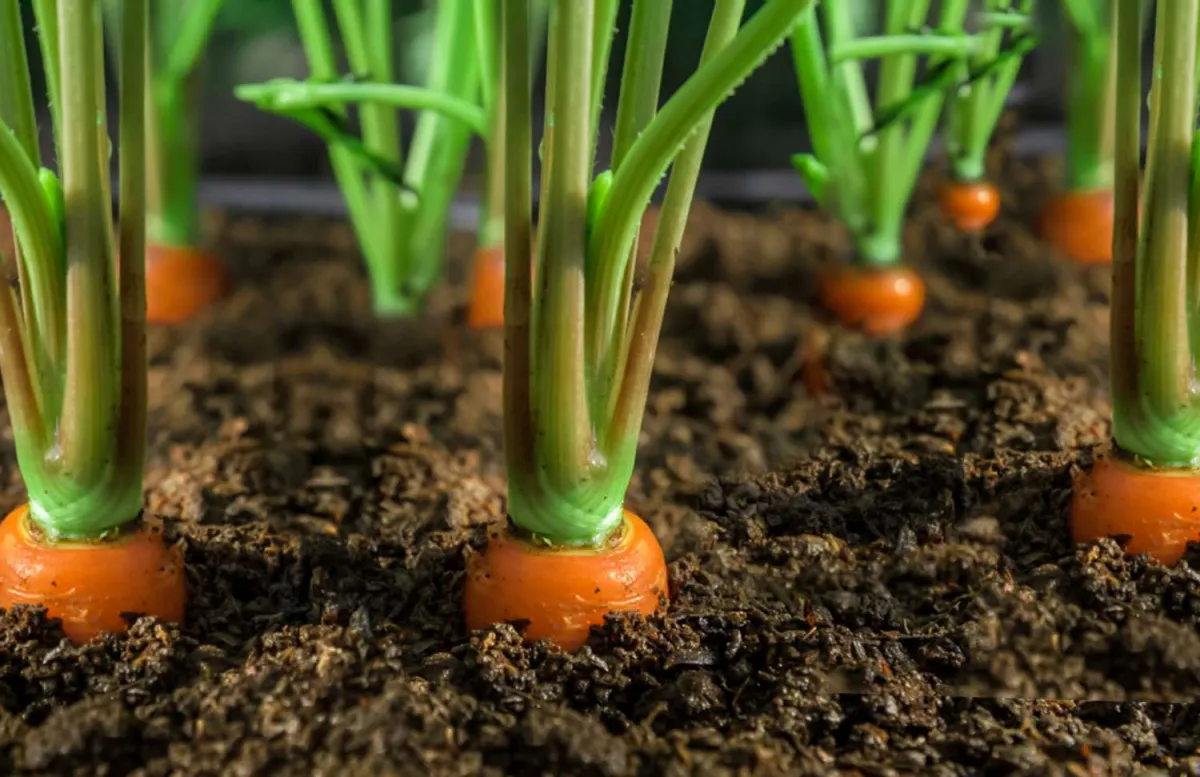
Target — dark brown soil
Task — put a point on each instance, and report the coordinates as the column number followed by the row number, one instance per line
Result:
column 878, row 581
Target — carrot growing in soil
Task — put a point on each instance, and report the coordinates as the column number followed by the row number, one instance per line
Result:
column 579, row 349
column 72, row 340
column 969, row 200
column 398, row 205
column 865, row 161
column 1146, row 486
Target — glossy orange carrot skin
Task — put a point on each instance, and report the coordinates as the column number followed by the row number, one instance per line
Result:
column 970, row 205
column 182, row 282
column 877, row 301
column 1080, row 224
column 1158, row 510
column 91, row 585
column 562, row 593
column 486, row 308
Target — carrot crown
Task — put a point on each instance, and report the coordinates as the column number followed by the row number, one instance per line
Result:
column 866, row 159
column 579, row 342
column 398, row 206
column 72, row 343
column 985, row 79
column 1156, row 286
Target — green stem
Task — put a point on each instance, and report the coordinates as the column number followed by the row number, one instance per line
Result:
column 438, row 153
column 564, row 433
column 45, row 15
column 89, row 406
column 131, row 426
column 903, row 45
column 318, row 49
column 173, row 166
column 896, row 74
column 286, row 95
column 652, row 153
column 641, row 76
column 519, row 435
column 1090, row 83
column 369, row 51
column 1158, row 420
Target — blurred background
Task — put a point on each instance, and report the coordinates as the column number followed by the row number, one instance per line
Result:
column 754, row 133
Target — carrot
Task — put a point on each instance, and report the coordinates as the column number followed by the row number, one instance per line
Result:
column 875, row 300
column 969, row 205
column 1080, row 224
column 560, row 593
column 1158, row 510
column 181, row 282
column 486, row 308
column 91, row 585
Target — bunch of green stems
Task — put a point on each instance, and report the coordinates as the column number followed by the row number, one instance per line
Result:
column 986, row 80
column 1156, row 272
column 180, row 31
column 399, row 205
column 1091, row 75
column 866, row 159
column 579, row 341
column 72, row 339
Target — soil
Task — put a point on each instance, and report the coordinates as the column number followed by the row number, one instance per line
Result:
column 874, row 581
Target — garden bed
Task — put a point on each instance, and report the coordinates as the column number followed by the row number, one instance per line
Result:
column 877, row 580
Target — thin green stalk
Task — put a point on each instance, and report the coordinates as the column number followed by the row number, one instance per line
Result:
column 561, row 418
column 625, row 417
column 284, row 95
column 641, row 77
column 318, row 49
column 182, row 30
column 897, row 72
column 131, row 248
column 519, row 434
column 438, row 153
column 976, row 106
column 369, row 51
column 89, row 406
column 651, row 155
column 45, row 14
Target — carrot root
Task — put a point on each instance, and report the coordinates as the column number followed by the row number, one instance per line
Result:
column 1080, row 224
column 1157, row 510
column 91, row 586
column 969, row 205
column 877, row 301
column 561, row 593
column 486, row 309
column 181, row 282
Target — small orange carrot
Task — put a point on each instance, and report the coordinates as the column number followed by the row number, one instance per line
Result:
column 91, row 585
column 562, row 592
column 969, row 205
column 876, row 300
column 486, row 308
column 1080, row 224
column 181, row 282
column 1157, row 510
